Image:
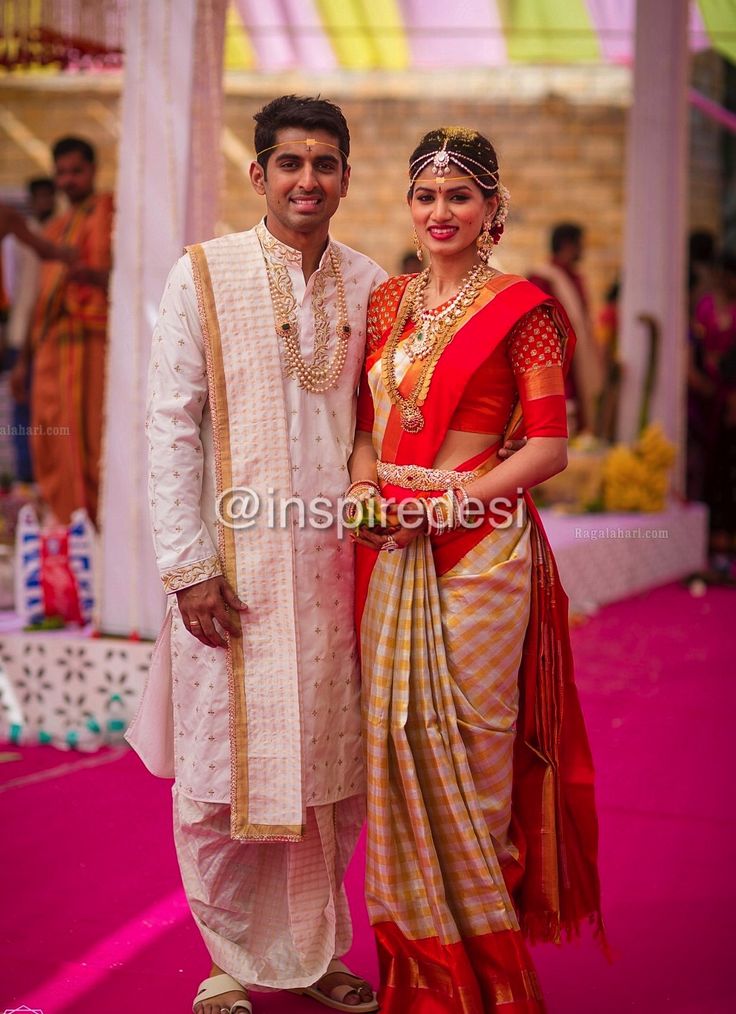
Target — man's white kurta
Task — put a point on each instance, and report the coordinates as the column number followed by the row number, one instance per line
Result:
column 183, row 505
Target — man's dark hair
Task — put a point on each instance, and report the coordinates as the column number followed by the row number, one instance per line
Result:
column 39, row 183
column 564, row 233
column 298, row 111
column 67, row 145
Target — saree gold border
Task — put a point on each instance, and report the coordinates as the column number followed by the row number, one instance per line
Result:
column 212, row 340
column 543, row 383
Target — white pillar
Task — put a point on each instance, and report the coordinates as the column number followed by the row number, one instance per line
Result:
column 656, row 218
column 168, row 183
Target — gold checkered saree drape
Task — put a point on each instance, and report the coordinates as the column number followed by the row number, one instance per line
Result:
column 440, row 658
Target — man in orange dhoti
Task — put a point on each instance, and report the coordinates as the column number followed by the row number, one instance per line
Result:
column 561, row 278
column 68, row 341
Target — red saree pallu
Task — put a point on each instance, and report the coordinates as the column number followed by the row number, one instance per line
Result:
column 481, row 818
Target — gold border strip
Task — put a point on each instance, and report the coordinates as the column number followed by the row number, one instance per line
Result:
column 212, row 339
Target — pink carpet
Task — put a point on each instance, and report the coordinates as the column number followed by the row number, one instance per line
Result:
column 92, row 916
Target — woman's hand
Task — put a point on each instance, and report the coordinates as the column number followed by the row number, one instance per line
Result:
column 397, row 528
column 406, row 525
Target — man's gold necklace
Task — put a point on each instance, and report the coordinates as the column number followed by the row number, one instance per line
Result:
column 320, row 374
column 434, row 332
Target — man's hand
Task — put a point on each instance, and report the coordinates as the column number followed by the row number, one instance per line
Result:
column 202, row 604
column 511, row 447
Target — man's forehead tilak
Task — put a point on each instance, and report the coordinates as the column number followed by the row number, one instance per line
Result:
column 309, row 142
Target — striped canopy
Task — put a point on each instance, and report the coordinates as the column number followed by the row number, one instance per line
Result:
column 323, row 35
column 355, row 35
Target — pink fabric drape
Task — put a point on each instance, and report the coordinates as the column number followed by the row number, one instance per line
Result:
column 472, row 35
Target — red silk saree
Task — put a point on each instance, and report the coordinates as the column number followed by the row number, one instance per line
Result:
column 481, row 818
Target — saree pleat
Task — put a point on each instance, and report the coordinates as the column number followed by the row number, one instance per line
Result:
column 440, row 710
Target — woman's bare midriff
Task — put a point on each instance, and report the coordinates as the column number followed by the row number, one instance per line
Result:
column 459, row 446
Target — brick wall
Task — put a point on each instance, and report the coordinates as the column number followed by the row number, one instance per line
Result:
column 560, row 138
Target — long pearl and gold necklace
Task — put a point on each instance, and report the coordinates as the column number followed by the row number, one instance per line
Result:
column 435, row 331
column 320, row 374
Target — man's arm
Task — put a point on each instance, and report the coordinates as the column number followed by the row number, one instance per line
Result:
column 13, row 223
column 177, row 394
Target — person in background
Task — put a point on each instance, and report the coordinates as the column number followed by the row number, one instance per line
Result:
column 607, row 337
column 702, row 252
column 715, row 323
column 26, row 278
column 68, row 341
column 410, row 263
column 560, row 277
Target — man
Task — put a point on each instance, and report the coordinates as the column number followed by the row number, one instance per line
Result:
column 255, row 362
column 26, row 276
column 561, row 278
column 68, row 339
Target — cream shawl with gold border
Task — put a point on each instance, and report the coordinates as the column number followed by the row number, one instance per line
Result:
column 251, row 449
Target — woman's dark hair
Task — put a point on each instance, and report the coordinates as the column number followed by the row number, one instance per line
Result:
column 468, row 144
column 298, row 111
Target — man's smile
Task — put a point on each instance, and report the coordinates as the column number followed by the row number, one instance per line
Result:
column 306, row 202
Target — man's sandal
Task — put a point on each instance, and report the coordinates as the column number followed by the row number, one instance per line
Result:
column 335, row 998
column 215, row 986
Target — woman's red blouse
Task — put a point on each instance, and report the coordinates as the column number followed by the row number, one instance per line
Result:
column 527, row 364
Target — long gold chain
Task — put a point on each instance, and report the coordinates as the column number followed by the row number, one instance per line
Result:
column 443, row 331
column 320, row 374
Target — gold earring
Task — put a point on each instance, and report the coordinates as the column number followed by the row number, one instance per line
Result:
column 417, row 246
column 485, row 242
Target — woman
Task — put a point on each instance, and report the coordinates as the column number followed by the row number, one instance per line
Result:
column 481, row 814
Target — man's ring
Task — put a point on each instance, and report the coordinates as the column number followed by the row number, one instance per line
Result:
column 194, row 623
column 390, row 545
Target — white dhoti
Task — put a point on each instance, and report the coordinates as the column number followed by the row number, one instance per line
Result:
column 271, row 915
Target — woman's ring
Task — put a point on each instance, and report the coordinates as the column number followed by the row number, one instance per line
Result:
column 390, row 545
column 194, row 623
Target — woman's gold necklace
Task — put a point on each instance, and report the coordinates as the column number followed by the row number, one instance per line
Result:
column 428, row 329
column 434, row 333
column 320, row 374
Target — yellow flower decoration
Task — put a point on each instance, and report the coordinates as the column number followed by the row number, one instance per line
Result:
column 637, row 478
